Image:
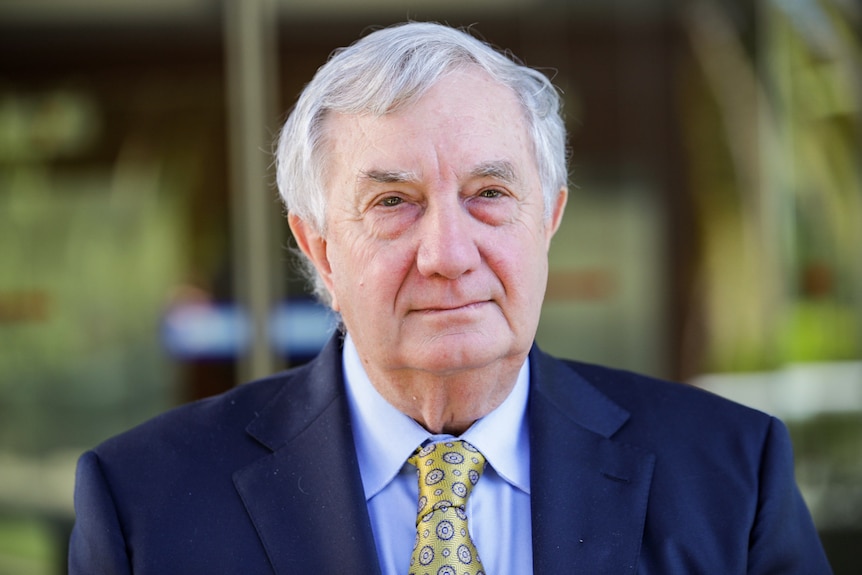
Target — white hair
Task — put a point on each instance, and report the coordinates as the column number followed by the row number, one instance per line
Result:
column 385, row 71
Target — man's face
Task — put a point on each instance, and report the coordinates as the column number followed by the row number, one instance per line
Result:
column 435, row 250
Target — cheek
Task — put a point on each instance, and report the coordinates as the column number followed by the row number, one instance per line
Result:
column 388, row 224
column 365, row 270
column 520, row 264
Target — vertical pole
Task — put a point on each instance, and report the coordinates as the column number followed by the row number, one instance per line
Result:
column 250, row 28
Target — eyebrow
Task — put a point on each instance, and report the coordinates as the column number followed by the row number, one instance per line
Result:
column 387, row 176
column 501, row 170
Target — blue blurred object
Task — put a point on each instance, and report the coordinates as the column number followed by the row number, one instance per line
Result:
column 298, row 329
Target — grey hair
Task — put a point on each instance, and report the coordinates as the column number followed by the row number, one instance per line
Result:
column 386, row 71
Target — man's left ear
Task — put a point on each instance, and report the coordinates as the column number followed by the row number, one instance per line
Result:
column 557, row 210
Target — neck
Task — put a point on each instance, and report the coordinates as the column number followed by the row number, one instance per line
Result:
column 450, row 402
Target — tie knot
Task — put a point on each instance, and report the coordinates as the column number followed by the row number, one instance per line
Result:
column 448, row 471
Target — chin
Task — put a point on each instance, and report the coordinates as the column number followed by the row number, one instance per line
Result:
column 460, row 352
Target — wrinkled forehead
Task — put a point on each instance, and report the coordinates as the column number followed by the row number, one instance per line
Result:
column 461, row 128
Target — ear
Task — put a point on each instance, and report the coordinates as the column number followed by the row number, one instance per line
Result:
column 313, row 245
column 556, row 218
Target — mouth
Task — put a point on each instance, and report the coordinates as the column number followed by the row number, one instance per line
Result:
column 443, row 309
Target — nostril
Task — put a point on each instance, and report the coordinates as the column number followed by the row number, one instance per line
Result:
column 449, row 255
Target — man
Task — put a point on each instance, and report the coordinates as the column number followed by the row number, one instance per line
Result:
column 424, row 176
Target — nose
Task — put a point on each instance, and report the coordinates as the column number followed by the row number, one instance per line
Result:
column 447, row 242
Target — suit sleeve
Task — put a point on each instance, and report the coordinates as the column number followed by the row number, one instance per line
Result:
column 783, row 538
column 97, row 545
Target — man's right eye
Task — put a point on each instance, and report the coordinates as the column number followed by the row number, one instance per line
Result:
column 391, row 201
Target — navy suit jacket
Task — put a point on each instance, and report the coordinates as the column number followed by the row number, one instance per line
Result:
column 628, row 475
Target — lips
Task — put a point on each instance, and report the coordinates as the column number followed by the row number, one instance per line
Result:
column 449, row 307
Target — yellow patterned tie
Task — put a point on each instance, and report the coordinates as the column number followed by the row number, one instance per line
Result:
column 447, row 473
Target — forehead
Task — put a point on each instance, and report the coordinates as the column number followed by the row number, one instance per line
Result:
column 465, row 121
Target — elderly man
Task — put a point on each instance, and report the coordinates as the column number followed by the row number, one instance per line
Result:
column 424, row 175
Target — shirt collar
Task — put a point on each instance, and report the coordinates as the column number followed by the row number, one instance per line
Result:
column 385, row 437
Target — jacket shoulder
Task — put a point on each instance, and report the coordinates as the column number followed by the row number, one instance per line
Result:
column 665, row 409
column 192, row 425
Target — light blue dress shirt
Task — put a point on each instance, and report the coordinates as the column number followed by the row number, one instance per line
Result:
column 499, row 507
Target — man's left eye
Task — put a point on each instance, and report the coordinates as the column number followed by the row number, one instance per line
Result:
column 491, row 193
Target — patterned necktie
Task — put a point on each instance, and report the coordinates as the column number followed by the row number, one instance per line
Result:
column 447, row 473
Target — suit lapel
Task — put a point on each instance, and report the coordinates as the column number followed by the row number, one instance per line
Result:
column 306, row 498
column 588, row 491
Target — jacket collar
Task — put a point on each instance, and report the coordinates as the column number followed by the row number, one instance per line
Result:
column 589, row 491
column 311, row 480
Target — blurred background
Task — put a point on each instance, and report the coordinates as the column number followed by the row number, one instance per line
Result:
column 713, row 235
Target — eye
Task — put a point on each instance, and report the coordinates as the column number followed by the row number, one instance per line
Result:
column 490, row 193
column 391, row 201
